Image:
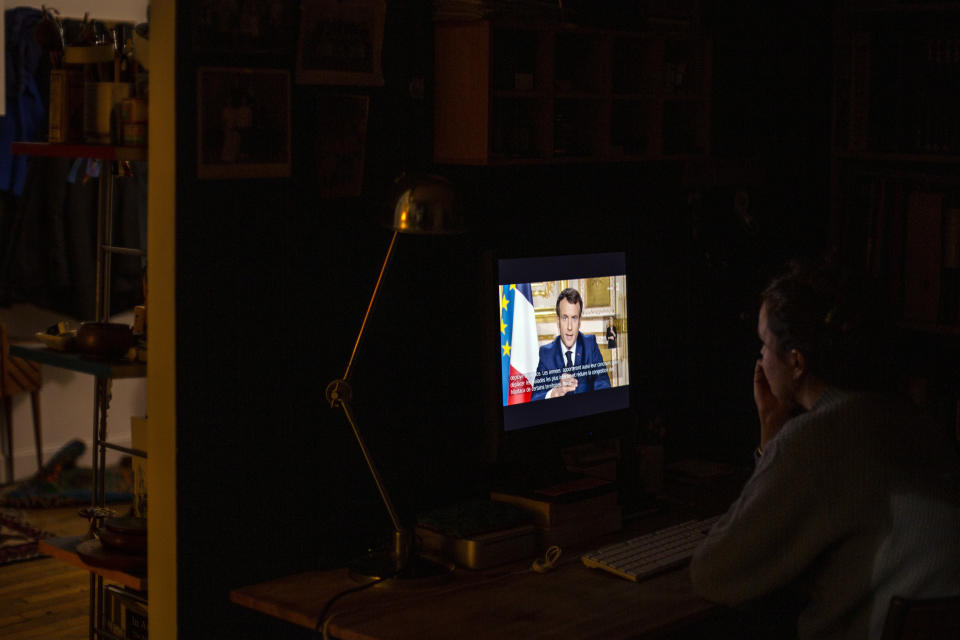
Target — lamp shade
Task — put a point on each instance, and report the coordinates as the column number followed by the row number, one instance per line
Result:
column 426, row 204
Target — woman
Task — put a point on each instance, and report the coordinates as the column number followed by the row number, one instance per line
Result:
column 855, row 497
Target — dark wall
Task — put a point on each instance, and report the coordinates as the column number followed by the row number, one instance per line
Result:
column 273, row 281
column 771, row 116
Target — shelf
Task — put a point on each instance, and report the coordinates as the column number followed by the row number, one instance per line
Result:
column 66, row 150
column 554, row 94
column 917, row 158
column 914, row 7
column 930, row 329
column 65, row 550
column 37, row 352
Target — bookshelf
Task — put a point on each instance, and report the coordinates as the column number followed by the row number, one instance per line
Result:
column 509, row 93
column 895, row 159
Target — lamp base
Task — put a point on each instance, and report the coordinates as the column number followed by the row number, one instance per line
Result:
column 420, row 570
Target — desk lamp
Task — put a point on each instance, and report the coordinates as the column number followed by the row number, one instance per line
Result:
column 425, row 205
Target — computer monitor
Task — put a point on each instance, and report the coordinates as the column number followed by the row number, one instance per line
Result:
column 546, row 306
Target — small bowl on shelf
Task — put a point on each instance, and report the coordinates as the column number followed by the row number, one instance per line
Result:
column 58, row 342
column 105, row 340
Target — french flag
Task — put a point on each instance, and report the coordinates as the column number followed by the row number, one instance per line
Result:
column 519, row 351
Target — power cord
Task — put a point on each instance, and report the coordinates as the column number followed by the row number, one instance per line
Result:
column 541, row 565
column 549, row 560
column 323, row 620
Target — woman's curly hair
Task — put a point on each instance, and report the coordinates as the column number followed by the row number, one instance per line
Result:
column 836, row 319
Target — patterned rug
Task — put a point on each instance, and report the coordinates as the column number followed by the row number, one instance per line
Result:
column 18, row 539
column 62, row 483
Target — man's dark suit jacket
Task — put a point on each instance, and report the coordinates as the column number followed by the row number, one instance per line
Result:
column 553, row 361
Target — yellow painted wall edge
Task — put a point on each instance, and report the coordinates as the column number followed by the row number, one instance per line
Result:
column 161, row 395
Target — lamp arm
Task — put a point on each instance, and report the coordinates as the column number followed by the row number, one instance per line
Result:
column 373, row 299
column 338, row 393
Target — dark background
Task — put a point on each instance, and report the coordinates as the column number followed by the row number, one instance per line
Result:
column 272, row 283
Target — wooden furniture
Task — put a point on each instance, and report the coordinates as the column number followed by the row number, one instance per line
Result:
column 103, row 371
column 917, row 619
column 526, row 94
column 18, row 376
column 509, row 601
column 895, row 206
column 65, row 549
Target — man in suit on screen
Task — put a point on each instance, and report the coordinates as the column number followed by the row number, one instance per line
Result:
column 572, row 363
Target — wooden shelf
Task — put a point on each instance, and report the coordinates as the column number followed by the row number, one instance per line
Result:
column 67, row 150
column 909, row 158
column 555, row 94
column 895, row 192
column 37, row 352
column 65, row 550
column 854, row 8
column 942, row 330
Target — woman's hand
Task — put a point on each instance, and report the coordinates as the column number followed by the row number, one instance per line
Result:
column 771, row 411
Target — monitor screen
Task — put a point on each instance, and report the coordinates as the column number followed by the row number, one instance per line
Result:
column 563, row 338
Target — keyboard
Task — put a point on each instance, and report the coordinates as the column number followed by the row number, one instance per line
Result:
column 652, row 553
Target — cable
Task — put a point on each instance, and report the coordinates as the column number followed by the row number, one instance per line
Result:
column 326, row 623
column 540, row 565
column 549, row 561
column 323, row 620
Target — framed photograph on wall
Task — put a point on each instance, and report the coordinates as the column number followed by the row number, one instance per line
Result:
column 243, row 123
column 244, row 26
column 342, row 121
column 340, row 42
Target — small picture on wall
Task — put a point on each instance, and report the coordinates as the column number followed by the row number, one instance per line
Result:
column 340, row 42
column 243, row 123
column 342, row 121
column 243, row 26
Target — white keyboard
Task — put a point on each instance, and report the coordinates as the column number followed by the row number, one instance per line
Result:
column 644, row 556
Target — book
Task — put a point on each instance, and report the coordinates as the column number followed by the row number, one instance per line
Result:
column 895, row 245
column 950, row 287
column 922, row 257
column 859, row 129
column 65, row 113
column 125, row 613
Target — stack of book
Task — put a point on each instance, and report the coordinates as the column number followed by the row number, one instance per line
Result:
column 125, row 612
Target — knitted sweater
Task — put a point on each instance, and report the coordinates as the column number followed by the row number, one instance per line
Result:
column 852, row 502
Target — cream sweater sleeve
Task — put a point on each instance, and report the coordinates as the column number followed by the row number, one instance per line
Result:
column 777, row 526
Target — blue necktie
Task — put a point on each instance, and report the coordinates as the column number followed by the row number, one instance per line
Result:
column 569, row 360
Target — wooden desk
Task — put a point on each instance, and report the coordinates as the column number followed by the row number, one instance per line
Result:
column 507, row 602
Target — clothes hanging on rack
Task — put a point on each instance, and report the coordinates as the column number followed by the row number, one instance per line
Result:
column 27, row 75
column 48, row 240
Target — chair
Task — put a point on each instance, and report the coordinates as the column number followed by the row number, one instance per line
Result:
column 922, row 619
column 17, row 376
